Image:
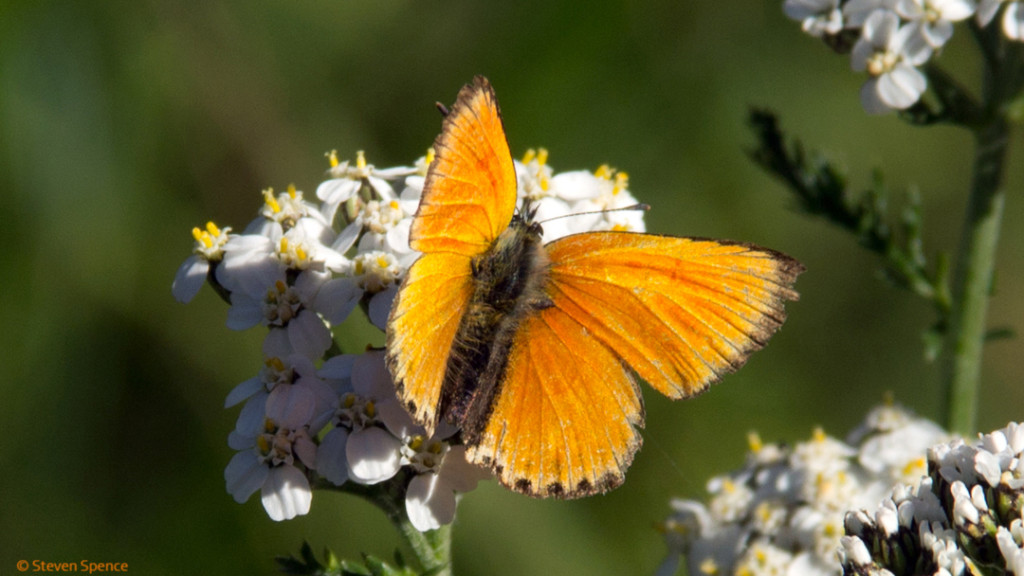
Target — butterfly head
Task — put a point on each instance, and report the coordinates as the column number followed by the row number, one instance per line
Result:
column 527, row 217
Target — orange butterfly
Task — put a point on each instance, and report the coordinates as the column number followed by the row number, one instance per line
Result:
column 531, row 348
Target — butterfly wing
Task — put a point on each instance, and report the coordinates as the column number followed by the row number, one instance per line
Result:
column 468, row 198
column 424, row 320
column 470, row 192
column 680, row 312
column 565, row 422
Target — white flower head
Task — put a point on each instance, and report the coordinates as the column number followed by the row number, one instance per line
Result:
column 1013, row 16
column 273, row 462
column 575, row 201
column 375, row 273
column 822, row 454
column 442, row 472
column 613, row 195
column 940, row 542
column 536, row 193
column 893, row 442
column 307, row 246
column 348, row 178
column 284, row 210
column 385, row 227
column 365, row 444
column 731, row 499
column 285, row 390
column 890, row 54
column 1011, row 547
column 856, row 12
column 955, row 461
column 533, row 174
column 817, row 17
column 294, row 326
column 255, row 262
column 209, row 248
column 933, row 19
column 764, row 558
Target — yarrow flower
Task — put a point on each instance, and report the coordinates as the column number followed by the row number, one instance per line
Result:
column 576, row 201
column 273, row 461
column 783, row 512
column 898, row 497
column 311, row 416
column 892, row 39
column 817, row 17
column 1013, row 16
column 890, row 54
column 965, row 517
column 933, row 19
column 208, row 250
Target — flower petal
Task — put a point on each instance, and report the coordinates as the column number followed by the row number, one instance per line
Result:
column 338, row 367
column 337, row 190
column 291, row 406
column 1013, row 21
column 901, row 87
column 337, row 299
column 244, row 475
column 380, row 306
column 429, row 502
column 987, row 11
column 253, row 414
column 460, row 473
column 243, row 391
column 308, row 335
column 373, row 455
column 190, row 277
column 331, row 459
column 286, row 493
column 870, row 99
column 244, row 313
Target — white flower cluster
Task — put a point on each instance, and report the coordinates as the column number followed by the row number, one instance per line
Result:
column 783, row 512
column 893, row 38
column 312, row 414
column 965, row 517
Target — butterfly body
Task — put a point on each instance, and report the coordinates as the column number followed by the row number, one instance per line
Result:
column 534, row 349
column 508, row 281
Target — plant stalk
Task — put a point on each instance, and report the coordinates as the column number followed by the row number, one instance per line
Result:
column 433, row 549
column 972, row 283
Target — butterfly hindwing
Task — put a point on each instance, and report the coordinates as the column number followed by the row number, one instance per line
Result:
column 565, row 421
column 421, row 330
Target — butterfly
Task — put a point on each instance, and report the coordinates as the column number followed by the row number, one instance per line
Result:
column 533, row 350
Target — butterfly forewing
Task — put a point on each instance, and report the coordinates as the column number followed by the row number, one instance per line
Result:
column 468, row 199
column 470, row 192
column 680, row 311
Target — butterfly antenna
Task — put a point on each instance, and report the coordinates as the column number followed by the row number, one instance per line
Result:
column 640, row 206
column 442, row 109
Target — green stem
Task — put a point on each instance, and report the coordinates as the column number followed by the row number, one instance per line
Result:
column 1002, row 81
column 433, row 549
column 973, row 280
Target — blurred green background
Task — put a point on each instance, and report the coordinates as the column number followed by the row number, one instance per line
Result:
column 125, row 124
